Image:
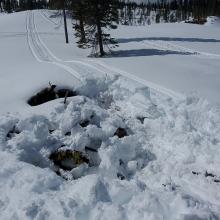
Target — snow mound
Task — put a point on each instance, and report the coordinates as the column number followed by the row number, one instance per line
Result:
column 213, row 21
column 158, row 171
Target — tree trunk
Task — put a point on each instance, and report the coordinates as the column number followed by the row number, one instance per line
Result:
column 1, row 6
column 99, row 31
column 65, row 24
column 82, row 30
column 100, row 40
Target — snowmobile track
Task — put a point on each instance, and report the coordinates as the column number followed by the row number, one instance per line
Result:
column 174, row 47
column 40, row 51
column 96, row 65
column 47, row 18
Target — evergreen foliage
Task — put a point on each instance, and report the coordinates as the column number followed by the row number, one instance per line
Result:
column 94, row 17
column 79, row 8
column 8, row 6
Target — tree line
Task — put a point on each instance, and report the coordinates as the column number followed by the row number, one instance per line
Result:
column 131, row 13
column 92, row 19
column 10, row 6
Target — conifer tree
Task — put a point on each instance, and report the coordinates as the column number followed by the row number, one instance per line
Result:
column 79, row 14
column 102, row 15
column 158, row 16
column 22, row 5
column 8, row 6
column 1, row 6
column 98, row 16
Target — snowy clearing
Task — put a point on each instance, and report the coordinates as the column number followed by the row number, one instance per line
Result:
column 166, row 165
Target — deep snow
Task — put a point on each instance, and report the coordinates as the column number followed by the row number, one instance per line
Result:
column 168, row 165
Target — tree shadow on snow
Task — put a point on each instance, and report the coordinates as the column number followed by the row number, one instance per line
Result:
column 201, row 40
column 147, row 52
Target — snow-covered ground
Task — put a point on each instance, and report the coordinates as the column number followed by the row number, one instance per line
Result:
column 160, row 54
column 168, row 167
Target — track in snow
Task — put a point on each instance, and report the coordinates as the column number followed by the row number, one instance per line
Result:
column 11, row 34
column 161, row 45
column 47, row 18
column 42, row 53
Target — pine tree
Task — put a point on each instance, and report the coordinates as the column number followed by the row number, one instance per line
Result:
column 98, row 15
column 157, row 16
column 217, row 8
column 8, row 6
column 79, row 14
column 22, row 5
column 1, row 6
column 166, row 13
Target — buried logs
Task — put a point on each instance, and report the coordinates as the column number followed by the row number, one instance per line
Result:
column 68, row 159
column 50, row 93
column 121, row 132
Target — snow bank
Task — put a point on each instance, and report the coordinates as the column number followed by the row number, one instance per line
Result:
column 158, row 171
column 213, row 21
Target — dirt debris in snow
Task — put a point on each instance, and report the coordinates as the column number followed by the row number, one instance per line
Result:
column 50, row 93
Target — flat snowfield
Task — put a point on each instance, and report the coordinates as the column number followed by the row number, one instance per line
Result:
column 161, row 87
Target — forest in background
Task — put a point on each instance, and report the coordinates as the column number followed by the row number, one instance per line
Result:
column 92, row 19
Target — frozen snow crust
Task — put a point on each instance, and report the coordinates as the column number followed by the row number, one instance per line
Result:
column 158, row 171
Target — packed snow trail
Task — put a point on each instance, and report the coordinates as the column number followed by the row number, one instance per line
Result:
column 102, row 68
column 43, row 54
column 45, row 16
column 151, row 85
column 39, row 50
column 171, row 46
column 11, row 34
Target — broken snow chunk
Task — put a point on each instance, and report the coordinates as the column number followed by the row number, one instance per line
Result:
column 68, row 159
column 92, row 151
column 95, row 132
column 79, row 171
column 41, row 130
column 69, row 121
column 87, row 112
column 94, row 159
column 132, row 166
column 121, row 132
column 29, row 123
column 94, row 144
column 92, row 88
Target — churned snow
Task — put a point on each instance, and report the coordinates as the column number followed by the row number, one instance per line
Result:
column 167, row 167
